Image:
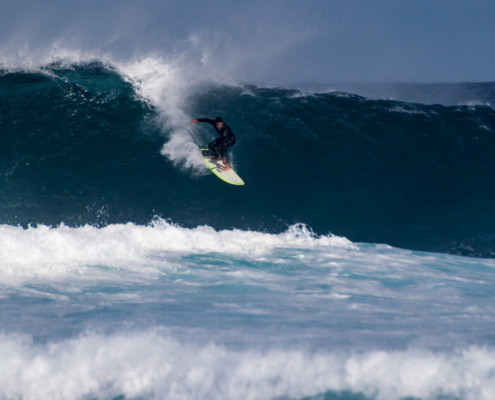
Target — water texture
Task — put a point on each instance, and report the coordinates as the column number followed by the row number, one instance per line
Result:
column 356, row 263
column 82, row 146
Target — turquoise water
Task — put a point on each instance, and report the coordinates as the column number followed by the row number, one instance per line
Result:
column 162, row 311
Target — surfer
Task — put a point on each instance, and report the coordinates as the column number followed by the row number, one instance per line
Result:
column 218, row 147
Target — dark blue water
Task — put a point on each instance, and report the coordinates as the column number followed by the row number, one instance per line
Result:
column 78, row 146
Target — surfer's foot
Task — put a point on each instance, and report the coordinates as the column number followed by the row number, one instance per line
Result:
column 227, row 167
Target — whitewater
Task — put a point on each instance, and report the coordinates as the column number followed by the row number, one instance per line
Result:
column 127, row 271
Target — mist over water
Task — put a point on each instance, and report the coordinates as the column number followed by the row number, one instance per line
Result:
column 277, row 42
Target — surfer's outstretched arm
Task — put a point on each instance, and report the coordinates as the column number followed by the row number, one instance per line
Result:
column 207, row 120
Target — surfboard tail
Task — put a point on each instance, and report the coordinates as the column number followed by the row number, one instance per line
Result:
column 217, row 167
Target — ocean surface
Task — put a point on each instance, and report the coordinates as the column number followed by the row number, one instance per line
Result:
column 357, row 263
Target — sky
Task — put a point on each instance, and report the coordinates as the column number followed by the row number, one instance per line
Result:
column 269, row 41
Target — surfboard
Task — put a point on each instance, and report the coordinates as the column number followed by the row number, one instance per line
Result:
column 216, row 167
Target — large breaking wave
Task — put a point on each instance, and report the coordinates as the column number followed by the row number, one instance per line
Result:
column 95, row 144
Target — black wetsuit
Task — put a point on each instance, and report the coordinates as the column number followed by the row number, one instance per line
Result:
column 226, row 139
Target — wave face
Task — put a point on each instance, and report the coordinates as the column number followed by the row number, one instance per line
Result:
column 81, row 145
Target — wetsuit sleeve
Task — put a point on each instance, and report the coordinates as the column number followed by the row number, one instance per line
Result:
column 209, row 121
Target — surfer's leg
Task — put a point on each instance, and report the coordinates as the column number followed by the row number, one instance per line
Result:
column 222, row 144
column 213, row 147
column 222, row 147
column 227, row 142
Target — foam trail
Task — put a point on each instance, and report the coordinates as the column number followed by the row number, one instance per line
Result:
column 164, row 84
column 154, row 366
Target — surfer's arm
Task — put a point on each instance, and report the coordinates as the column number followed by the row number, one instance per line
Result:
column 209, row 121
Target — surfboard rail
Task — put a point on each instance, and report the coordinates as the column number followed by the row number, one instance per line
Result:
column 216, row 167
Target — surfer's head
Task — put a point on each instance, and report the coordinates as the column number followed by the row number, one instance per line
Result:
column 219, row 122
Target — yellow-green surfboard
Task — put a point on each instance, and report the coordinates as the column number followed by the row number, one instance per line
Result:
column 216, row 167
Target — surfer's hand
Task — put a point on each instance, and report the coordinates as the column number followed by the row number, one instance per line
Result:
column 193, row 122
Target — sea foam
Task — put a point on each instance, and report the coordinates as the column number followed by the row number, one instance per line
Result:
column 153, row 365
column 45, row 250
